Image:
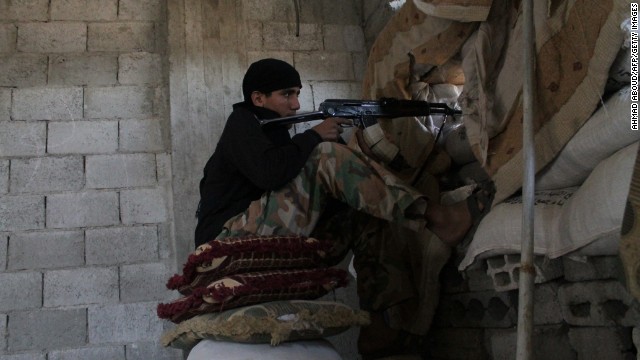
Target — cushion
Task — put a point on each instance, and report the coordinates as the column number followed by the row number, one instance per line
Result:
column 320, row 349
column 223, row 257
column 267, row 323
column 252, row 288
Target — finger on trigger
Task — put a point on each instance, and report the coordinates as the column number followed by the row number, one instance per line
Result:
column 344, row 121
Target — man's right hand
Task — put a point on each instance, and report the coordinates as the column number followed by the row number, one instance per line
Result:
column 331, row 128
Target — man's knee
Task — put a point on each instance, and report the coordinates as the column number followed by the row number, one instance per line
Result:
column 330, row 148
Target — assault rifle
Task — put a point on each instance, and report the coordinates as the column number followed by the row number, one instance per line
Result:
column 365, row 112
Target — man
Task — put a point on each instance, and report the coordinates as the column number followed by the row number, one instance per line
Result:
column 262, row 181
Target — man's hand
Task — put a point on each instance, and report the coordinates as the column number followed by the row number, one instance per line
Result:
column 331, row 128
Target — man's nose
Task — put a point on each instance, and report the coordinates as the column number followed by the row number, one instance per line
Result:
column 294, row 103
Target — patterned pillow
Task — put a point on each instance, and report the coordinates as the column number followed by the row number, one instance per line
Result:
column 251, row 288
column 271, row 322
column 222, row 257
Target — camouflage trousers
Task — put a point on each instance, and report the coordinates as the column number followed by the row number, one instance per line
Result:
column 342, row 196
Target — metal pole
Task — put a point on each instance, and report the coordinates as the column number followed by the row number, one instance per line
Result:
column 524, row 347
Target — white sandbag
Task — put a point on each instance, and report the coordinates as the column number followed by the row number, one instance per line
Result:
column 564, row 220
column 222, row 350
column 604, row 133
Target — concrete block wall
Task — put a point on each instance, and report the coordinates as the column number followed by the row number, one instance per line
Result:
column 86, row 212
column 327, row 48
column 581, row 311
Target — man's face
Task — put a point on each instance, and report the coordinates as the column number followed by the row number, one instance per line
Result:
column 284, row 101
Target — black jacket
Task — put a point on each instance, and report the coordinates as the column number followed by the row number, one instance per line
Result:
column 247, row 162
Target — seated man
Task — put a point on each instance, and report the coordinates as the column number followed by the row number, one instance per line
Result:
column 264, row 182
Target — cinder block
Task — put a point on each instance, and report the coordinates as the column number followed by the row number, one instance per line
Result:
column 144, row 282
column 146, row 350
column 143, row 206
column 89, row 10
column 277, row 36
column 121, row 37
column 140, row 135
column 27, row 284
column 120, row 170
column 161, row 103
column 269, row 11
column 25, row 356
column 52, row 37
column 22, row 212
column 359, row 61
column 80, row 286
column 37, row 10
column 348, row 38
column 549, row 342
column 152, row 10
column 118, row 102
column 19, row 138
column 4, row 176
column 93, row 353
column 45, row 103
column 165, row 239
column 335, row 90
column 502, row 343
column 611, row 343
column 253, row 56
column 125, row 323
column 598, row 303
column 478, row 280
column 342, row 12
column 325, row 66
column 547, row 307
column 83, row 69
column 45, row 174
column 164, row 171
column 140, row 68
column 254, row 39
column 23, row 70
column 47, row 329
column 5, row 104
column 505, row 270
column 121, row 245
column 278, row 10
column 552, row 342
column 257, row 11
column 477, row 309
column 82, row 210
column 8, row 34
column 593, row 268
column 82, row 137
column 42, row 250
column 446, row 344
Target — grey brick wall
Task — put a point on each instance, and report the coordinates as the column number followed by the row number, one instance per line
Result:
column 46, row 329
column 85, row 179
column 46, row 250
column 88, row 153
